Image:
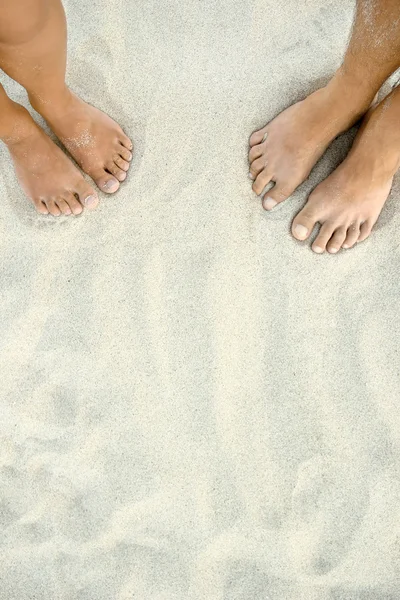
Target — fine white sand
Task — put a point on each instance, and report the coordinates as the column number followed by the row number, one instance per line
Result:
column 194, row 405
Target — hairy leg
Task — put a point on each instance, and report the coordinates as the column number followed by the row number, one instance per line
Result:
column 286, row 149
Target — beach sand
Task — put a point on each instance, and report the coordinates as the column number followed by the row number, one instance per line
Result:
column 193, row 404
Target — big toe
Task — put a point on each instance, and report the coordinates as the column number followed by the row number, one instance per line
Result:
column 106, row 182
column 304, row 223
column 87, row 196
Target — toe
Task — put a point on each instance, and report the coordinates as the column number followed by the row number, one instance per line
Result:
column 256, row 152
column 124, row 153
column 256, row 167
column 323, row 238
column 86, row 194
column 263, row 180
column 63, row 206
column 121, row 163
column 106, row 182
column 277, row 194
column 125, row 141
column 365, row 230
column 53, row 208
column 74, row 204
column 116, row 171
column 336, row 241
column 41, row 207
column 352, row 235
column 258, row 136
column 304, row 223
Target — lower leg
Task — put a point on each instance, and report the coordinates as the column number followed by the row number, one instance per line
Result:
column 348, row 203
column 287, row 148
column 33, row 47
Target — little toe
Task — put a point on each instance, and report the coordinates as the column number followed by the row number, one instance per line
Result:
column 126, row 142
column 74, row 204
column 63, row 206
column 121, row 163
column 86, row 194
column 365, row 230
column 53, row 208
column 323, row 237
column 124, row 153
column 304, row 223
column 116, row 171
column 277, row 195
column 353, row 233
column 106, row 182
column 41, row 207
column 258, row 136
column 336, row 241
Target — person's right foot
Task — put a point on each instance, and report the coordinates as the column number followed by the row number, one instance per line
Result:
column 45, row 173
column 286, row 149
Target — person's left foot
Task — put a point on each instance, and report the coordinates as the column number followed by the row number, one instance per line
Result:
column 94, row 140
column 348, row 203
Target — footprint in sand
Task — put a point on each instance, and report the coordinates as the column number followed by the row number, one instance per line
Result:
column 329, row 503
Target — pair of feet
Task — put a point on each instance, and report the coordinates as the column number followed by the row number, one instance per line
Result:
column 48, row 177
column 348, row 203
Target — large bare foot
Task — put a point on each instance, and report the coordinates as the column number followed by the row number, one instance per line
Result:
column 286, row 149
column 46, row 175
column 96, row 142
column 348, row 203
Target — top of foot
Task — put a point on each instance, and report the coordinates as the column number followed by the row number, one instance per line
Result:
column 94, row 140
column 46, row 174
column 283, row 152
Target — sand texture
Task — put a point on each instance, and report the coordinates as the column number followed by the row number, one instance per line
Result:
column 194, row 405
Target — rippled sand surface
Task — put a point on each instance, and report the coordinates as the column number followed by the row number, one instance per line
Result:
column 193, row 405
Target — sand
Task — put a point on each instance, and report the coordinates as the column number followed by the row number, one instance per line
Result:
column 194, row 405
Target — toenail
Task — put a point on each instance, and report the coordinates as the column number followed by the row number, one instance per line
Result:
column 345, row 246
column 251, row 176
column 90, row 200
column 301, row 231
column 110, row 184
column 265, row 136
column 318, row 249
column 269, row 203
column 333, row 250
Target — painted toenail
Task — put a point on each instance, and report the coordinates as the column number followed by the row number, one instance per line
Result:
column 318, row 249
column 90, row 201
column 301, row 231
column 251, row 176
column 269, row 203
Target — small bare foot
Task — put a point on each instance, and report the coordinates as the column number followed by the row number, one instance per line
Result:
column 348, row 203
column 284, row 151
column 46, row 175
column 94, row 140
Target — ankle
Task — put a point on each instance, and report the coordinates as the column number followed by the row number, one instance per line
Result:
column 15, row 124
column 356, row 92
column 54, row 101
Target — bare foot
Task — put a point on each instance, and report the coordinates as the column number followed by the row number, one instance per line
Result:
column 96, row 142
column 46, row 175
column 284, row 151
column 348, row 203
